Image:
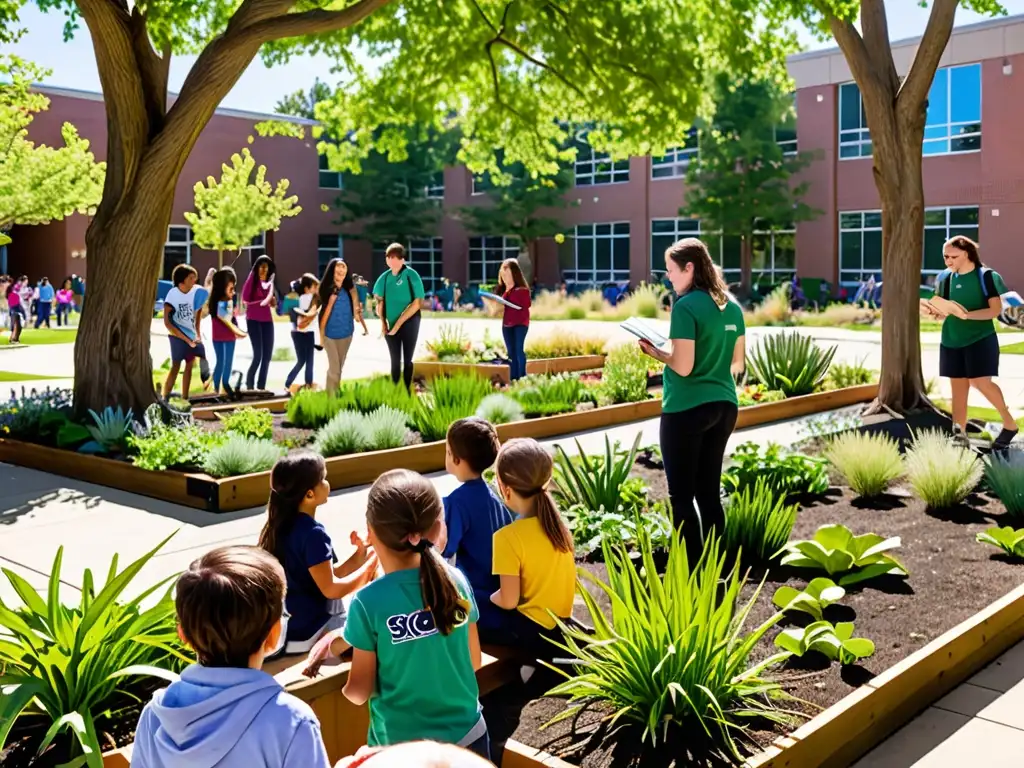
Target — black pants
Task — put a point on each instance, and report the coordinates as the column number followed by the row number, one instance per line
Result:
column 401, row 346
column 43, row 308
column 304, row 350
column 261, row 336
column 693, row 446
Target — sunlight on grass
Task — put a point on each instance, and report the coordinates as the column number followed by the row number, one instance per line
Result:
column 1013, row 349
column 35, row 337
column 8, row 376
column 979, row 413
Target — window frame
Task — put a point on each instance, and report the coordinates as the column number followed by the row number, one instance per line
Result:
column 591, row 273
column 863, row 133
column 618, row 170
column 169, row 243
column 677, row 159
column 338, row 252
column 949, row 125
column 415, row 248
column 510, row 248
column 324, row 171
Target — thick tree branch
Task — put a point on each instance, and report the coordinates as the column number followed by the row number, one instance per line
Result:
column 929, row 52
column 306, row 23
column 853, row 48
column 153, row 70
column 876, row 41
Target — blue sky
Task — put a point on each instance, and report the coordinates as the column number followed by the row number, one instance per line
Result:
column 260, row 88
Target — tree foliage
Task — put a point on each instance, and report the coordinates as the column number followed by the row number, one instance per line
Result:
column 741, row 180
column 39, row 184
column 521, row 207
column 231, row 211
column 303, row 103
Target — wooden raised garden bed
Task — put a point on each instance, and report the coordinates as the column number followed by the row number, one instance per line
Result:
column 429, row 369
column 234, row 493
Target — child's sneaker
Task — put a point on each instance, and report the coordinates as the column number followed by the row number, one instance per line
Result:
column 1003, row 439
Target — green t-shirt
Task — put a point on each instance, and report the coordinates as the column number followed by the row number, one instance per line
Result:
column 714, row 332
column 395, row 291
column 426, row 685
column 967, row 291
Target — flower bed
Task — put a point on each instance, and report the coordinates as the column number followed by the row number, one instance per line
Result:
column 499, row 372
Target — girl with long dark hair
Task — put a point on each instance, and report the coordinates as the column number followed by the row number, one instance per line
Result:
column 340, row 309
column 260, row 298
column 221, row 308
column 303, row 327
column 63, row 299
column 515, row 323
column 699, row 406
column 292, row 534
column 969, row 350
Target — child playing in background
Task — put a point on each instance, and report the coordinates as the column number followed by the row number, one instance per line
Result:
column 225, row 330
column 181, row 322
column 413, row 631
column 303, row 325
column 225, row 711
column 316, row 585
column 533, row 557
column 473, row 513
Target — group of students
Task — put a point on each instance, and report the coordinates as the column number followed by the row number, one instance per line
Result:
column 19, row 299
column 414, row 631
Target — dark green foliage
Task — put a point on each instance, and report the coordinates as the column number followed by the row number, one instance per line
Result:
column 757, row 523
column 784, row 474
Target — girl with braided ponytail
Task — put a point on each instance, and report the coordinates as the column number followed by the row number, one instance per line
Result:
column 292, row 534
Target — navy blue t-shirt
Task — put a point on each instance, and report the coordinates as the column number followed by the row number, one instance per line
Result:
column 305, row 544
column 473, row 512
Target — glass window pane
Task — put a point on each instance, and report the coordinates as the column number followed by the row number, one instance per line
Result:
column 935, row 217
column 602, row 229
column 849, row 106
column 850, row 250
column 969, row 144
column 850, row 220
column 962, row 216
column 620, row 253
column 873, row 251
column 604, row 254
column 689, row 226
column 731, row 247
column 622, row 228
column 476, row 272
column 938, row 107
column 847, row 150
column 584, row 230
column 965, row 94
column 662, row 225
column 933, row 241
column 971, row 232
column 660, row 244
column 584, row 253
column 785, row 251
column 936, row 147
column 872, row 219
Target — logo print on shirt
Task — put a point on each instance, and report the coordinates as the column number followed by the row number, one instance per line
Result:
column 411, row 626
column 731, row 328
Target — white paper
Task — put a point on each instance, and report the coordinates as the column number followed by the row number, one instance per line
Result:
column 499, row 299
column 643, row 330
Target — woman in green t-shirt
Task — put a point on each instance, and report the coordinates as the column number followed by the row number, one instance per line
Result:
column 699, row 405
column 969, row 351
column 399, row 293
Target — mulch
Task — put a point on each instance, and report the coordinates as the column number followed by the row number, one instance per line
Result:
column 952, row 577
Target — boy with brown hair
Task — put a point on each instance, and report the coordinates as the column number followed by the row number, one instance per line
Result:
column 472, row 513
column 225, row 711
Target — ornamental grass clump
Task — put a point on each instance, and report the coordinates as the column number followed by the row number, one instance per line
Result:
column 499, row 409
column 757, row 523
column 346, row 433
column 868, row 463
column 240, row 455
column 386, row 428
column 311, row 409
column 675, row 658
column 1004, row 474
column 940, row 472
column 563, row 344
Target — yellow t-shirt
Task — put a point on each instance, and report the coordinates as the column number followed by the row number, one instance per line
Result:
column 547, row 577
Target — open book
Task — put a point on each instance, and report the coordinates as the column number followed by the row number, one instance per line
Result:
column 643, row 330
column 499, row 299
column 940, row 307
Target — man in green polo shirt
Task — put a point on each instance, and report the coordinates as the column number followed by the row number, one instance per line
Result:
column 399, row 291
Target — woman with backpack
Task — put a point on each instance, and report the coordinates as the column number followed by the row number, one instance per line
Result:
column 399, row 293
column 969, row 351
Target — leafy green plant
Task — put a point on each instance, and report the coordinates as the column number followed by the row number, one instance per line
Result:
column 675, row 654
column 868, row 463
column 39, row 417
column 110, row 429
column 283, row 355
column 67, row 663
column 635, row 510
column 367, row 395
column 784, row 474
column 1004, row 474
column 939, row 471
column 546, row 395
column 841, row 375
column 172, row 447
column 758, row 394
column 249, row 422
column 451, row 344
column 835, row 550
column 500, row 409
column 1007, row 539
column 790, row 361
column 311, row 409
column 813, row 599
column 563, row 344
column 386, row 428
column 347, row 432
column 593, row 482
column 624, row 378
column 836, row 643
column 757, row 523
column 465, row 391
column 241, row 455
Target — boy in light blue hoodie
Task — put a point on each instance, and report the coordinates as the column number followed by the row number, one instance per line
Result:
column 225, row 711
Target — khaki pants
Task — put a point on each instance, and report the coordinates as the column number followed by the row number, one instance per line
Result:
column 337, row 351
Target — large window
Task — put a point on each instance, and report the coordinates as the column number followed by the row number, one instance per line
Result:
column 675, row 161
column 177, row 249
column 328, row 179
column 597, row 168
column 256, row 248
column 425, row 257
column 435, row 190
column 328, row 247
column 954, row 111
column 860, row 240
column 486, row 255
column 602, row 254
column 773, row 255
column 773, row 258
column 785, row 132
column 953, row 123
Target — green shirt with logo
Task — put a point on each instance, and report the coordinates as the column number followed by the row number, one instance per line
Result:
column 714, row 332
column 426, row 685
column 398, row 291
column 967, row 291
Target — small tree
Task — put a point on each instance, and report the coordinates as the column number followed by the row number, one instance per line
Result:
column 232, row 211
column 522, row 207
column 741, row 180
column 39, row 184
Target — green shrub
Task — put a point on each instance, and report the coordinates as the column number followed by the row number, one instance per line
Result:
column 311, row 409
column 172, row 447
column 563, row 344
column 591, row 528
column 624, row 379
column 677, row 657
column 545, row 395
column 283, row 355
column 250, row 422
column 386, row 427
column 758, row 394
column 451, row 344
column 72, row 664
column 789, row 361
column 499, row 409
column 576, row 312
column 835, row 550
column 240, row 455
column 643, row 301
column 367, row 395
column 593, row 482
column 784, row 474
column 346, row 433
column 842, row 375
column 757, row 523
column 939, row 471
column 464, row 391
column 37, row 417
column 818, row 595
column 1004, row 474
column 868, row 463
column 836, row 643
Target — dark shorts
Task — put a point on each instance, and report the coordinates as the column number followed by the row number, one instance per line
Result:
column 182, row 352
column 975, row 361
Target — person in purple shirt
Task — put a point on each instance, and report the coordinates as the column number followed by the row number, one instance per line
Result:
column 260, row 298
column 472, row 513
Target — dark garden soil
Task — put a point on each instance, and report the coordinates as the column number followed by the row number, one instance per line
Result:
column 951, row 578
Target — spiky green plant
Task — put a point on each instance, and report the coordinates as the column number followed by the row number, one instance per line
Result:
column 499, row 409
column 868, row 463
column 240, row 455
column 757, row 523
column 386, row 428
column 790, row 361
column 593, row 481
column 346, row 433
column 939, row 471
column 1004, row 474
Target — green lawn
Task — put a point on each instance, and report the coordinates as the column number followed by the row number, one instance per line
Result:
column 8, row 376
column 1013, row 349
column 977, row 412
column 31, row 336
